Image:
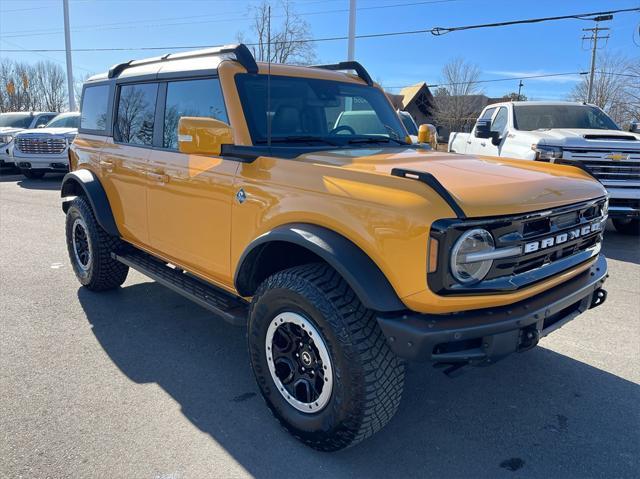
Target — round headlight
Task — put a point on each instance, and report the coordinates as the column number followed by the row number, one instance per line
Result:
column 467, row 265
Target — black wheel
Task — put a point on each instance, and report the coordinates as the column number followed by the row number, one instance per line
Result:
column 33, row 175
column 627, row 226
column 90, row 249
column 320, row 359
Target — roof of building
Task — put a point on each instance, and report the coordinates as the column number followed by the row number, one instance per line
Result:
column 411, row 92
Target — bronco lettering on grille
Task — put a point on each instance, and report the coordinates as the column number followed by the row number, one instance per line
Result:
column 562, row 238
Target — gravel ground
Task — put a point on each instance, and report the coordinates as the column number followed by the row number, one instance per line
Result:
column 140, row 383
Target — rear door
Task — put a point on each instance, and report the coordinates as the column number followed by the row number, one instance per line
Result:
column 124, row 161
column 190, row 196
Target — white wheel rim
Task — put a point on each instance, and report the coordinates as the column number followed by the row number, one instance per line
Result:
column 311, row 352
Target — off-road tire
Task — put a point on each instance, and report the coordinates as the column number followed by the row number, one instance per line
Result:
column 32, row 175
column 102, row 272
column 627, row 226
column 368, row 377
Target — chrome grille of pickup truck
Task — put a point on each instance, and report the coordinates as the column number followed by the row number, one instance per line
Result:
column 602, row 165
column 46, row 146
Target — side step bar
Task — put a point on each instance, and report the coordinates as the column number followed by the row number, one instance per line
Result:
column 231, row 309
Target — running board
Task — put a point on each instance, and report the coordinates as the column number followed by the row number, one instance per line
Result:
column 231, row 309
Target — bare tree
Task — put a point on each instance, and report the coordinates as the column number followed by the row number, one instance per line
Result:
column 288, row 35
column 25, row 87
column 616, row 87
column 458, row 102
column 49, row 83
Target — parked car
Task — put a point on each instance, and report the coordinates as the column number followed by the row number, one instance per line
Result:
column 247, row 188
column 564, row 133
column 429, row 133
column 633, row 127
column 45, row 150
column 12, row 123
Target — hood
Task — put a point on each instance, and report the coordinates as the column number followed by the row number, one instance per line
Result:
column 39, row 132
column 482, row 186
column 573, row 137
column 9, row 130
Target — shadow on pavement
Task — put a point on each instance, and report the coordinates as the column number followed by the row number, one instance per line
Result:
column 50, row 182
column 539, row 413
column 621, row 247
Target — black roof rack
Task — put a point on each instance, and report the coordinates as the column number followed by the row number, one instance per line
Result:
column 359, row 69
column 242, row 53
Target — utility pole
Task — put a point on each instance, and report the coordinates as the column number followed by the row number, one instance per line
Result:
column 67, row 46
column 594, row 37
column 351, row 49
column 520, row 85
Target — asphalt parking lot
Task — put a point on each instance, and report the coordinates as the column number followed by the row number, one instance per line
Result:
column 141, row 383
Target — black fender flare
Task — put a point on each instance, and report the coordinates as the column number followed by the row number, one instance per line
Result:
column 85, row 182
column 354, row 265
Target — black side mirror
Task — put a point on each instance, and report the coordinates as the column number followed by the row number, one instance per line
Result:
column 483, row 129
column 495, row 138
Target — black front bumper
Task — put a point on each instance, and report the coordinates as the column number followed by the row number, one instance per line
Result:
column 487, row 335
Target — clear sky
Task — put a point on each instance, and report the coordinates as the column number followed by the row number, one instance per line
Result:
column 553, row 47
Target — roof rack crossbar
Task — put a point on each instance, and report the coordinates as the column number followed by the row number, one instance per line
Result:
column 351, row 65
column 242, row 53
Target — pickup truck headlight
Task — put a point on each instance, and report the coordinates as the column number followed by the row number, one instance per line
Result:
column 546, row 152
column 5, row 139
column 467, row 263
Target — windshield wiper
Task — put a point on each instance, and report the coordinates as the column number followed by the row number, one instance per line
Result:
column 298, row 139
column 375, row 139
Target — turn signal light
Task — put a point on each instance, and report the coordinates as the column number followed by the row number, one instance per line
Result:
column 432, row 255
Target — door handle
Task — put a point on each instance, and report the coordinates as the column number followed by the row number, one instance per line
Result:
column 483, row 144
column 159, row 177
column 106, row 163
column 468, row 142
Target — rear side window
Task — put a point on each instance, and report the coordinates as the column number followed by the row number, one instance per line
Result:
column 95, row 102
column 136, row 112
column 201, row 98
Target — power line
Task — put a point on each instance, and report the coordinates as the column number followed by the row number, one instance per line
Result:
column 342, row 37
column 150, row 23
column 525, row 77
column 581, row 16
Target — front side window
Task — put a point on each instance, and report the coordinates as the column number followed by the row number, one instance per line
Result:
column 500, row 121
column 136, row 113
column 202, row 98
column 409, row 124
column 317, row 111
column 43, row 120
column 545, row 117
column 95, row 103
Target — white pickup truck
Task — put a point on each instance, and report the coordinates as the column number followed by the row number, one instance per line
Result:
column 568, row 133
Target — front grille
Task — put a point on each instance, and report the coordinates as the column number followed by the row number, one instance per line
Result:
column 45, row 146
column 576, row 231
column 606, row 169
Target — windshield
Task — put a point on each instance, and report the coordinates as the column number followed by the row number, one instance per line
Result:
column 16, row 120
column 545, row 117
column 64, row 121
column 409, row 124
column 317, row 111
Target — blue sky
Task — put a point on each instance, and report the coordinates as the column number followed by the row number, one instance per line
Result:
column 553, row 47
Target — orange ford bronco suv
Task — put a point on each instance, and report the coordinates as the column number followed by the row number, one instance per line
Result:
column 344, row 249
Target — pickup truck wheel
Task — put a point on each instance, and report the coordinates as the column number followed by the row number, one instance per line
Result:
column 321, row 361
column 90, row 248
column 627, row 226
